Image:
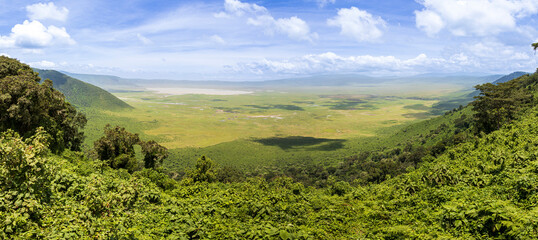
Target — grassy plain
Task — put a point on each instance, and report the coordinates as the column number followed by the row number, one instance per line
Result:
column 272, row 127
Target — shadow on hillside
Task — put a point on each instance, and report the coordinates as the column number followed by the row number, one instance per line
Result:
column 277, row 106
column 351, row 105
column 419, row 115
column 300, row 142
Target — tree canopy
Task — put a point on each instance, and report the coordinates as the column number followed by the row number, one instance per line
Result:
column 154, row 154
column 27, row 104
column 116, row 148
column 498, row 104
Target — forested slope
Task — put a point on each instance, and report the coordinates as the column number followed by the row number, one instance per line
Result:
column 83, row 94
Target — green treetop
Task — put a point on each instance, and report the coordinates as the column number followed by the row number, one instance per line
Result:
column 26, row 104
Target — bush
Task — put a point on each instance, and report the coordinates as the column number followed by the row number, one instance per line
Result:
column 25, row 175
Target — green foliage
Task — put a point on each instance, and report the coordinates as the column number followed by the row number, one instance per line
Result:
column 117, row 147
column 160, row 179
column 26, row 104
column 535, row 46
column 480, row 187
column 498, row 104
column 25, row 183
column 204, row 170
column 154, row 154
column 125, row 161
column 433, row 180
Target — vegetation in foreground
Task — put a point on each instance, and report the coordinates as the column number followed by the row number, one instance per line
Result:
column 479, row 184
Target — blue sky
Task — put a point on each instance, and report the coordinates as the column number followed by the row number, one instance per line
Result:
column 257, row 39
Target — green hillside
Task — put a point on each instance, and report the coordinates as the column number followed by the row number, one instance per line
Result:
column 82, row 94
column 110, row 83
column 471, row 173
column 509, row 77
column 481, row 188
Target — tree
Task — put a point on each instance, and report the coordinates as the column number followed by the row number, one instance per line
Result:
column 535, row 46
column 154, row 154
column 204, row 170
column 26, row 104
column 499, row 104
column 117, row 147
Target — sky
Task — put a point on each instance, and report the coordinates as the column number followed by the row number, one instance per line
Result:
column 261, row 39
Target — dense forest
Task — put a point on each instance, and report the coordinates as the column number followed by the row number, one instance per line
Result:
column 473, row 175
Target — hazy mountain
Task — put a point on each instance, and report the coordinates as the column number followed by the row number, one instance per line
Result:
column 108, row 82
column 502, row 79
column 82, row 94
column 509, row 77
column 114, row 83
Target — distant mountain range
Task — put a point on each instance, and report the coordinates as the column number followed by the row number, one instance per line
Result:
column 82, row 94
column 114, row 83
column 509, row 77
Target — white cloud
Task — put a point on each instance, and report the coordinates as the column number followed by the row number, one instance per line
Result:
column 294, row 27
column 35, row 35
column 43, row 64
column 6, row 42
column 492, row 51
column 238, row 8
column 46, row 11
column 429, row 22
column 217, row 39
column 332, row 63
column 143, row 39
column 473, row 17
column 4, row 54
column 358, row 24
column 323, row 3
column 478, row 57
column 32, row 34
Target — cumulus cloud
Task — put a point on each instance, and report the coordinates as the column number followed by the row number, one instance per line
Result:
column 330, row 62
column 323, row 3
column 43, row 64
column 35, row 35
column 472, row 17
column 293, row 27
column 4, row 54
column 239, row 8
column 46, row 11
column 488, row 51
column 358, row 24
column 429, row 22
column 477, row 57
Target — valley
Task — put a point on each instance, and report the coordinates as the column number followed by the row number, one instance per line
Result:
column 312, row 162
column 257, row 127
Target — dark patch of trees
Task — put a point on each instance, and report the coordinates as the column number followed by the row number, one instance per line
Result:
column 116, row 148
column 204, row 171
column 499, row 104
column 154, row 154
column 25, row 105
